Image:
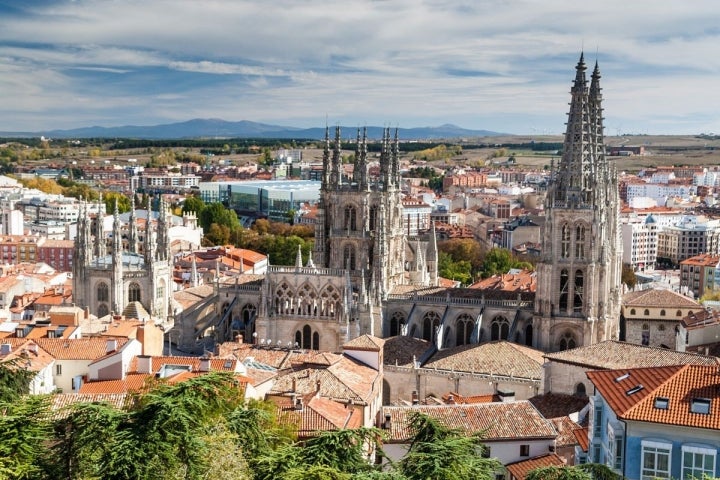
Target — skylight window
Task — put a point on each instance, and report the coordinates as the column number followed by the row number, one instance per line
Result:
column 622, row 377
column 700, row 405
column 662, row 403
column 634, row 389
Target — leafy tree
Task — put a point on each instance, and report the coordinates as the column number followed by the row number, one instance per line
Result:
column 14, row 381
column 628, row 276
column 499, row 261
column 588, row 471
column 24, row 432
column 448, row 268
column 444, row 453
column 464, row 249
column 217, row 235
column 217, row 213
column 193, row 204
column 123, row 202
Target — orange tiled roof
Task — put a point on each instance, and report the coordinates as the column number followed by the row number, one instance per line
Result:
column 680, row 385
column 565, row 428
column 62, row 402
column 86, row 348
column 583, row 440
column 365, row 342
column 658, row 298
column 455, row 398
column 27, row 354
column 497, row 358
column 613, row 354
column 498, row 420
column 317, row 414
column 520, row 469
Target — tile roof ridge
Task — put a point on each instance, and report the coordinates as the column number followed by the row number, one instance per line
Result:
column 649, row 395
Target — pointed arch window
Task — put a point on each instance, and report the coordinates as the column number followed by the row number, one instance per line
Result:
column 373, row 218
column 564, row 281
column 349, row 257
column 565, row 241
column 578, row 296
column 431, row 322
column 499, row 328
column 397, row 321
column 102, row 310
column 350, row 222
column 103, row 292
column 306, row 337
column 580, row 241
column 529, row 335
column 567, row 341
column 464, row 331
column 316, row 341
column 134, row 293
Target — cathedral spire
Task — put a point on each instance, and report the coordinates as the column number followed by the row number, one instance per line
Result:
column 395, row 159
column 100, row 247
column 194, row 272
column 326, row 159
column 117, row 234
column 336, row 173
column 298, row 258
column 360, row 174
column 133, row 236
column 385, row 159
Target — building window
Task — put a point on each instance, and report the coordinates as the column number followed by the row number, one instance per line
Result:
column 698, row 462
column 578, row 297
column 580, row 241
column 102, row 310
column 565, row 244
column 103, row 292
column 134, row 292
column 431, row 323
column 580, row 390
column 662, row 313
column 350, row 216
column 616, row 443
column 58, row 369
column 646, row 334
column 647, row 312
column 465, row 326
column 567, row 342
column 655, row 460
column 499, row 329
column 632, row 311
column 678, row 313
column 524, row 450
column 349, row 256
column 563, row 290
column 396, row 323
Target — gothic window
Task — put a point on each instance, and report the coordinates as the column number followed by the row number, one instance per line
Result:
column 249, row 311
column 160, row 291
column 499, row 328
column 373, row 217
column 329, row 302
column 567, row 341
column 103, row 293
column 316, row 341
column 564, row 280
column 580, row 241
column 134, row 292
column 431, row 322
column 102, row 310
column 350, row 218
column 565, row 241
column 397, row 321
column 578, row 297
column 465, row 326
column 646, row 334
column 298, row 339
column 283, row 299
column 580, row 390
column 306, row 300
column 306, row 337
column 349, row 257
column 529, row 335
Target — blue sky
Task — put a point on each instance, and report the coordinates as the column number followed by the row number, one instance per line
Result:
column 499, row 65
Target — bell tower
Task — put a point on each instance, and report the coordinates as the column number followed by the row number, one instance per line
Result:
column 577, row 301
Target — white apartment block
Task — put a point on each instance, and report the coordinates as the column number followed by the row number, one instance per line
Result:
column 659, row 192
column 693, row 236
column 639, row 237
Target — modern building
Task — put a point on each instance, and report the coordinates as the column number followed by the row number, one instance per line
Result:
column 700, row 273
column 639, row 236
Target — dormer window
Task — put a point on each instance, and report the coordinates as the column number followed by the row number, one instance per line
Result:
column 662, row 403
column 700, row 405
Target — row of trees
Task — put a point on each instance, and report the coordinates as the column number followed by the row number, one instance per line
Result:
column 464, row 259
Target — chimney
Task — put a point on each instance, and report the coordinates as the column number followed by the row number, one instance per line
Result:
column 144, row 364
column 451, row 399
column 299, row 404
column 294, row 384
column 204, row 364
column 5, row 349
column 506, row 397
column 317, row 388
column 87, row 313
column 415, row 400
column 387, row 423
column 111, row 345
column 239, row 339
column 33, row 348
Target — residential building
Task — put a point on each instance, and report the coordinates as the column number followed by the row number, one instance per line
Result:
column 651, row 317
column 655, row 423
column 699, row 274
column 639, row 236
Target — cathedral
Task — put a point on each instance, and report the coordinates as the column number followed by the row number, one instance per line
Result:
column 134, row 276
column 366, row 275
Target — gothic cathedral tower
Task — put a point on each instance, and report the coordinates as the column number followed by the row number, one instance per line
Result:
column 360, row 226
column 578, row 294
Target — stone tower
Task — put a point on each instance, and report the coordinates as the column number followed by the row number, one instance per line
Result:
column 360, row 225
column 578, row 294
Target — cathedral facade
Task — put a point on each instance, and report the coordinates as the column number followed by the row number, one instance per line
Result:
column 366, row 275
column 135, row 270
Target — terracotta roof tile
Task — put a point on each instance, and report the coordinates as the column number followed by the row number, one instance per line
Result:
column 365, row 342
column 613, row 354
column 401, row 350
column 565, row 428
column 498, row 421
column 62, row 402
column 553, row 405
column 658, row 298
column 86, row 348
column 583, row 440
column 27, row 354
column 498, row 358
column 317, row 414
column 520, row 469
column 680, row 385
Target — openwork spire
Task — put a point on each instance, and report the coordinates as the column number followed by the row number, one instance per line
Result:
column 326, row 159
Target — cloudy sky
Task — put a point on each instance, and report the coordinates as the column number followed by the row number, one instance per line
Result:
column 502, row 65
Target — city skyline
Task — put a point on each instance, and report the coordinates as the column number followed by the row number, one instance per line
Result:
column 480, row 65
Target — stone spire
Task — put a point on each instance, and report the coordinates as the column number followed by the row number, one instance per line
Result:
column 395, row 161
column 326, row 175
column 117, row 235
column 575, row 177
column 148, row 244
column 385, row 159
column 194, row 272
column 163, row 231
column 360, row 174
column 117, row 263
column 133, row 236
column 298, row 258
column 432, row 256
column 336, row 173
column 100, row 247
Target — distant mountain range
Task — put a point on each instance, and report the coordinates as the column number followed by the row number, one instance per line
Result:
column 215, row 128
